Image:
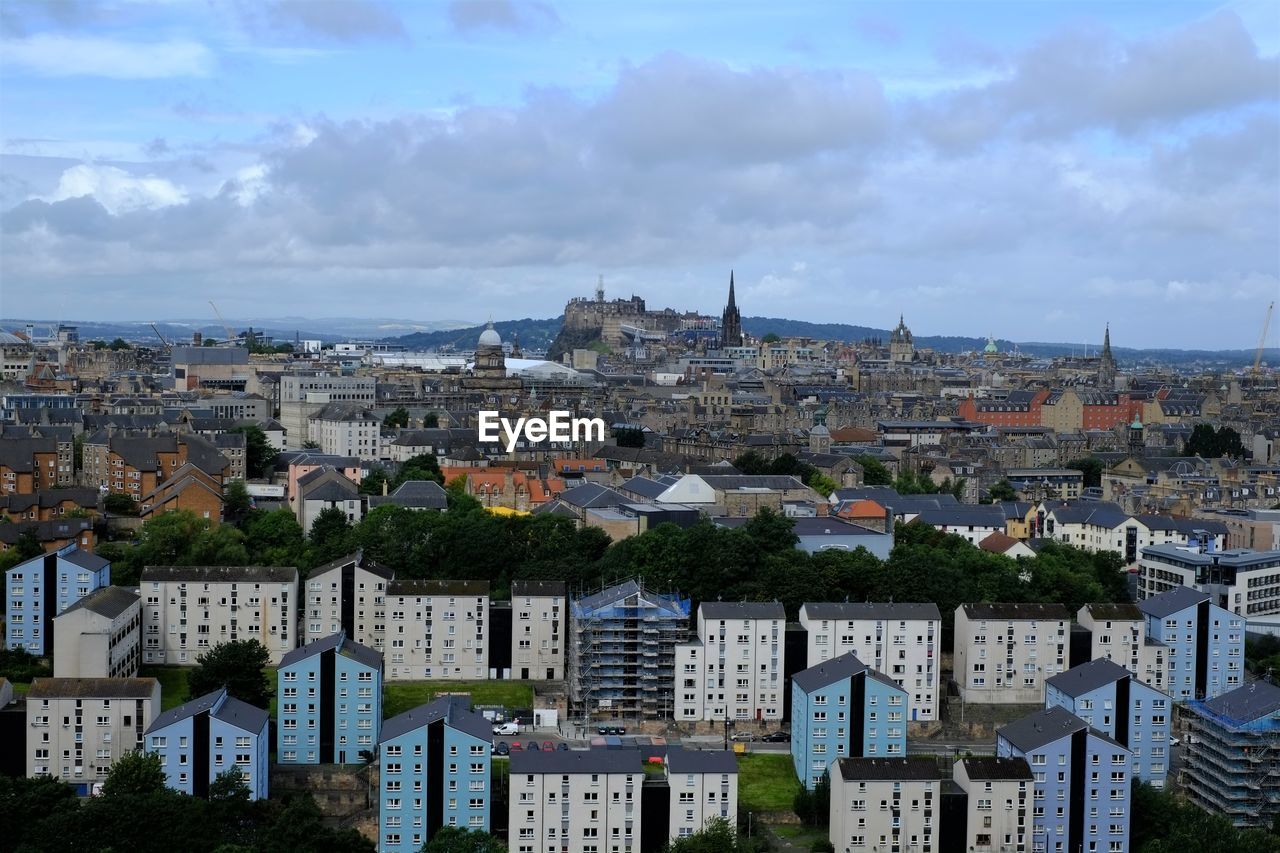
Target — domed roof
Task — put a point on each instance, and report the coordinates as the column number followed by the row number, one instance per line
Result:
column 489, row 337
column 991, row 346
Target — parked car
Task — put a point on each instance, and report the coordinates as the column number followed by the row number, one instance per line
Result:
column 742, row 737
column 548, row 746
column 617, row 730
column 532, row 746
column 777, row 737
column 506, row 729
column 515, row 746
column 562, row 746
column 604, row 730
column 501, row 748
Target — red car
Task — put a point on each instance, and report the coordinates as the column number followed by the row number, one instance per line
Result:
column 548, row 746
column 515, row 746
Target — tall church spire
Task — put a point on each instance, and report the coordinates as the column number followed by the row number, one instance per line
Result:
column 732, row 303
column 1106, row 362
column 731, row 320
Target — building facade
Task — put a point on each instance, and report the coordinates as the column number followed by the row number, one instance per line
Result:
column 434, row 772
column 703, row 786
column 998, row 799
column 39, row 589
column 437, row 629
column 1204, row 644
column 1245, row 582
column 78, row 727
column 1004, row 652
column 329, row 694
column 1233, row 755
column 186, row 610
column 733, row 669
column 843, row 708
column 583, row 801
column 100, row 636
column 886, row 804
column 902, row 641
column 1118, row 632
column 208, row 736
column 539, row 622
column 348, row 595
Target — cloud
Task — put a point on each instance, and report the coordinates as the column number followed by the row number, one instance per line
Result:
column 54, row 55
column 516, row 16
column 115, row 189
column 878, row 30
column 345, row 21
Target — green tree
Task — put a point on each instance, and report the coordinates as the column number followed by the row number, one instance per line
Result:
column 331, row 535
column 119, row 503
column 229, row 785
column 20, row 666
column 275, row 538
column 716, row 836
column 299, row 825
column 223, row 545
column 431, row 421
column 751, row 462
column 821, row 483
column 455, row 839
column 421, row 467
column 259, row 453
column 873, row 471
column 310, row 445
column 1211, row 443
column 1090, row 467
column 239, row 665
column 236, row 500
column 770, row 338
column 134, row 773
column 627, row 437
column 119, row 344
column 373, row 482
column 1002, row 491
column 397, row 418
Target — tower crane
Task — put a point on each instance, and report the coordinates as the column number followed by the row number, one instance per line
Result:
column 231, row 336
column 158, row 335
column 1262, row 341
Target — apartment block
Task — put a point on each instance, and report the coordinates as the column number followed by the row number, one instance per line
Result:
column 345, row 429
column 1233, row 755
column 900, row 640
column 39, row 589
column 998, row 803
column 78, row 727
column 1109, row 698
column 582, row 801
column 348, row 595
column 434, row 772
column 186, row 610
column 1204, row 644
column 844, row 709
column 301, row 396
column 100, row 636
column 1245, row 582
column 1081, row 782
column 30, row 464
column 732, row 670
column 539, row 624
column 329, row 694
column 886, row 804
column 436, row 629
column 703, row 786
column 1004, row 652
column 137, row 465
column 208, row 736
column 1118, row 632
column 622, row 643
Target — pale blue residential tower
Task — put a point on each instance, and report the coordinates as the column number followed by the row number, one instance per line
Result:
column 1109, row 698
column 208, row 736
column 434, row 772
column 329, row 696
column 1080, row 780
column 43, row 587
column 1205, row 642
column 842, row 708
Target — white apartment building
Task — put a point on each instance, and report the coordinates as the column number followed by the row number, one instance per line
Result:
column 703, row 786
column 1005, row 652
column 885, row 804
column 436, row 629
column 100, row 636
column 349, row 594
column 538, row 616
column 734, row 669
column 78, row 727
column 999, row 793
column 584, row 801
column 902, row 641
column 186, row 610
column 1120, row 635
column 301, row 396
column 344, row 429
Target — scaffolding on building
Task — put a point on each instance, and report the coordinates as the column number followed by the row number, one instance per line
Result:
column 621, row 662
column 1233, row 764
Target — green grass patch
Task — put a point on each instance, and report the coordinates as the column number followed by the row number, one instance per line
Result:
column 400, row 696
column 766, row 783
column 173, row 683
column 20, row 689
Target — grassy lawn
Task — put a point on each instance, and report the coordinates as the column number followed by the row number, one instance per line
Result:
column 400, row 696
column 173, row 683
column 800, row 837
column 766, row 783
column 19, row 689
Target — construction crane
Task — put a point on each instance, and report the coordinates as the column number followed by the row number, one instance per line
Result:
column 231, row 336
column 158, row 335
column 1262, row 341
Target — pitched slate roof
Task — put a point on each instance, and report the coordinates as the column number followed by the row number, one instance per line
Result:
column 1046, row 727
column 913, row 767
column 230, row 710
column 701, row 761
column 338, row 642
column 1088, row 677
column 851, row 610
column 1009, row 610
column 1174, row 601
column 828, row 672
column 454, row 710
column 108, row 601
column 414, row 494
column 991, row 767
column 359, row 559
column 577, row 761
column 92, row 688
column 424, row 586
column 539, row 588
column 1109, row 612
column 86, row 560
column 742, row 610
column 1247, row 702
column 220, row 574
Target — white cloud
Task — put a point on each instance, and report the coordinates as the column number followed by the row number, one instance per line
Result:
column 56, row 55
column 116, row 190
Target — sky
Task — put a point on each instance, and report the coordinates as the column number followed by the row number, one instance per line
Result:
column 1029, row 170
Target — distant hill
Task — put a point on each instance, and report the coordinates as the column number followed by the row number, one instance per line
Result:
column 533, row 334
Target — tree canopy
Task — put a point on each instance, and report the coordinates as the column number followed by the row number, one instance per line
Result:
column 456, row 839
column 240, row 665
column 1213, row 443
column 259, row 453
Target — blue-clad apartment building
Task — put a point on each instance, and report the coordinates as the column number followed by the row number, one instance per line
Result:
column 208, row 736
column 44, row 586
column 1205, row 642
column 434, row 772
column 329, row 696
column 1081, row 782
column 1109, row 698
column 842, row 708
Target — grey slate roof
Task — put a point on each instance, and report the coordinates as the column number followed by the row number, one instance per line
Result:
column 1175, row 600
column 593, row 495
column 828, row 672
column 1008, row 610
column 92, row 688
column 913, row 767
column 455, row 711
column 86, row 560
column 339, row 642
column 186, row 709
column 644, row 487
column 422, row 586
column 242, row 715
column 1088, row 677
column 108, row 601
column 1246, row 703
column 614, row 594
column 730, row 482
column 232, row 711
column 1107, row 611
column 991, row 767
column 357, row 558
column 220, row 574
column 577, row 761
column 701, row 761
column 872, row 610
column 414, row 494
column 1046, row 727
column 743, row 610
column 539, row 588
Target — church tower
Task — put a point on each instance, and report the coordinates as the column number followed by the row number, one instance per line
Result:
column 731, row 321
column 1107, row 363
